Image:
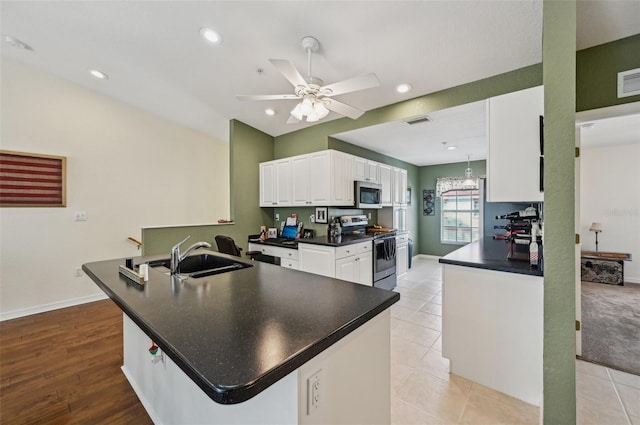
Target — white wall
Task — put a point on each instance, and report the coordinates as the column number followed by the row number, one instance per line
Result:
column 609, row 194
column 126, row 168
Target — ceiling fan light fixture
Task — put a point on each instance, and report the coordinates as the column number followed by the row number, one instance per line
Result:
column 313, row 117
column 306, row 106
column 296, row 112
column 321, row 110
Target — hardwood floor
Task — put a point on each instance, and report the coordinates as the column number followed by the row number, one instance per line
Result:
column 63, row 366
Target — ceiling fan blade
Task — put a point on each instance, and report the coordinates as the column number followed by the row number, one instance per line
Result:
column 362, row 82
column 343, row 109
column 289, row 71
column 266, row 96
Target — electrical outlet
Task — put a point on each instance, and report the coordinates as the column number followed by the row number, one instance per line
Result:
column 312, row 218
column 277, row 217
column 77, row 272
column 314, row 392
column 80, row 216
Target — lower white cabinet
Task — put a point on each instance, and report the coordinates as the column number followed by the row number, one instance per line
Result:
column 317, row 259
column 288, row 257
column 358, row 266
column 402, row 254
column 353, row 263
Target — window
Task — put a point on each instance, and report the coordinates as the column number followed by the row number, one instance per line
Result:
column 460, row 222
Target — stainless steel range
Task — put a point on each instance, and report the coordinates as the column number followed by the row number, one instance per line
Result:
column 384, row 248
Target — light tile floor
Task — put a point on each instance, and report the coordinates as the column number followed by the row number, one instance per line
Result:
column 423, row 391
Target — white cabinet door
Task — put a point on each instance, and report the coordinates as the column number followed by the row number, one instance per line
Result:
column 400, row 218
column 283, row 182
column 317, row 259
column 374, row 172
column 310, row 179
column 386, row 180
column 268, row 184
column 341, row 175
column 513, row 160
column 300, row 193
column 366, row 170
column 347, row 269
column 319, row 182
column 365, row 269
column 399, row 187
column 275, row 183
column 402, row 259
column 356, row 268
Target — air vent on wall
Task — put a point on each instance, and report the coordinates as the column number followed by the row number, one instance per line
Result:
column 629, row 83
column 418, row 120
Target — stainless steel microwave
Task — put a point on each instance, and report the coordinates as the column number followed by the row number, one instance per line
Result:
column 368, row 195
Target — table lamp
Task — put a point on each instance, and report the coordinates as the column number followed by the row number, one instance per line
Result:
column 597, row 228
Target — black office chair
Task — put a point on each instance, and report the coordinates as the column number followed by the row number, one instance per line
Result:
column 227, row 245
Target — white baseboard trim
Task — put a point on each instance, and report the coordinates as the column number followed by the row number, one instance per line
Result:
column 428, row 257
column 143, row 400
column 14, row 314
column 631, row 280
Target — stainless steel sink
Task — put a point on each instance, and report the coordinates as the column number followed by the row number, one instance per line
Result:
column 202, row 265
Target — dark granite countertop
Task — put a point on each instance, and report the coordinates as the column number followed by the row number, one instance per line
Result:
column 489, row 254
column 280, row 242
column 341, row 241
column 236, row 333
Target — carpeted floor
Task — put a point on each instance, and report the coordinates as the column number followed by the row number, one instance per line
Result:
column 611, row 325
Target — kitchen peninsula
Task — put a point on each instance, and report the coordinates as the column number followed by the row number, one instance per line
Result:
column 263, row 344
column 492, row 318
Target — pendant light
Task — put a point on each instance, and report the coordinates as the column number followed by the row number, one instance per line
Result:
column 468, row 182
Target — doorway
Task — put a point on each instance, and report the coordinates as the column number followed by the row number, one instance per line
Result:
column 607, row 177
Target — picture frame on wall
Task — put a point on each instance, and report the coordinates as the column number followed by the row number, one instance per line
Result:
column 322, row 215
column 428, row 202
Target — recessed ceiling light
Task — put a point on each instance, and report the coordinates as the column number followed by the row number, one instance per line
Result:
column 270, row 112
column 211, row 36
column 98, row 74
column 18, row 44
column 451, row 148
column 403, row 88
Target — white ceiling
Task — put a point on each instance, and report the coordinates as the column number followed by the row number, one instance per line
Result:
column 157, row 61
column 622, row 130
column 426, row 143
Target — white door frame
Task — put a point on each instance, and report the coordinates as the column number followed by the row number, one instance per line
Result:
column 583, row 117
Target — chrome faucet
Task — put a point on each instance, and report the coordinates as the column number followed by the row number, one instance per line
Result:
column 177, row 257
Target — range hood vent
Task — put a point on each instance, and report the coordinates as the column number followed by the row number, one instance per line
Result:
column 629, row 83
column 418, row 120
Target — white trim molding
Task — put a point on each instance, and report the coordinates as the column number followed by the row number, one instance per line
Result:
column 14, row 314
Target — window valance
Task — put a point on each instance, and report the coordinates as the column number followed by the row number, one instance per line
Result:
column 445, row 184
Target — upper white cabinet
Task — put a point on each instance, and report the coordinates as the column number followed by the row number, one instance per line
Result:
column 341, row 175
column 324, row 178
column 275, row 183
column 366, row 170
column 399, row 187
column 311, row 184
column 386, row 180
column 514, row 157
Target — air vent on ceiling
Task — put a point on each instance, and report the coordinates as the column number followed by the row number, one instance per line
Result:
column 629, row 83
column 418, row 120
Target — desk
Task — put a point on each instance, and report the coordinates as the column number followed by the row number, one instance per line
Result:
column 603, row 267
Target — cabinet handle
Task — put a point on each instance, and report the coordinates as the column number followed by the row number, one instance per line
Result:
column 289, row 254
column 357, row 259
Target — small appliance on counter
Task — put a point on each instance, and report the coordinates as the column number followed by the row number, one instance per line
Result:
column 523, row 235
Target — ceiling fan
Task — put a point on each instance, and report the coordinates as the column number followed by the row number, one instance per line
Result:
column 317, row 99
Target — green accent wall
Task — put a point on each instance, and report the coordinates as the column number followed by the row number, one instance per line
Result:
column 429, row 226
column 558, row 74
column 597, row 73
